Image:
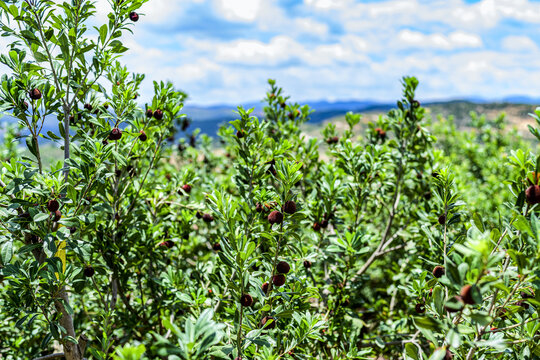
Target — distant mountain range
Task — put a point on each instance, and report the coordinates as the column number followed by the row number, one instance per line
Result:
column 209, row 118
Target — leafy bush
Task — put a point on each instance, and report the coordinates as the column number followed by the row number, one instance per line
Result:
column 392, row 242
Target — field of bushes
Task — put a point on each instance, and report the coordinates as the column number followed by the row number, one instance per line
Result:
column 406, row 237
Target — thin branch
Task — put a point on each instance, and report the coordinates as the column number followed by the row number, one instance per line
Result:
column 51, row 356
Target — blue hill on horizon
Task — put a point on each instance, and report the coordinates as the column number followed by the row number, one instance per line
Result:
column 209, row 118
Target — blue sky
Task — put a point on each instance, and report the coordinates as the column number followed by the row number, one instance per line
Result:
column 222, row 51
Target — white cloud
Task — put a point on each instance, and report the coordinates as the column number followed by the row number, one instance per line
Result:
column 307, row 25
column 239, row 10
column 457, row 14
column 390, row 8
column 328, row 4
column 519, row 44
column 455, row 40
column 279, row 49
column 282, row 49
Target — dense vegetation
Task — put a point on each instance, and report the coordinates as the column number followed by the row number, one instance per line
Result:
column 409, row 239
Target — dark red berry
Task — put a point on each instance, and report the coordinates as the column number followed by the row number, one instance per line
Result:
column 158, row 114
column 149, row 113
column 185, row 124
column 380, row 133
column 240, row 134
column 88, row 107
column 275, row 217
column 208, row 218
column 467, row 294
column 420, row 308
column 115, row 134
column 332, row 140
column 88, row 271
column 438, row 271
column 186, row 188
column 442, row 219
column 34, row 94
column 169, row 244
column 268, row 322
column 258, row 207
column 448, row 355
column 105, row 142
column 265, row 287
column 53, row 205
column 316, row 226
column 283, row 267
column 307, row 264
column 501, row 312
column 57, row 215
column 278, row 280
column 523, row 304
column 246, row 300
column 532, row 194
column 283, row 104
column 216, row 247
column 133, row 16
column 289, row 207
column 143, row 136
column 324, row 224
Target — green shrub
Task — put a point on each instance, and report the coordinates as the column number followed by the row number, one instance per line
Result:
column 394, row 242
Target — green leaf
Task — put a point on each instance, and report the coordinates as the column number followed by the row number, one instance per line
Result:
column 522, row 225
column 103, row 33
column 30, row 143
column 7, row 252
column 40, row 217
column 427, row 323
column 478, row 222
column 411, row 351
column 481, row 318
column 53, row 135
column 438, row 299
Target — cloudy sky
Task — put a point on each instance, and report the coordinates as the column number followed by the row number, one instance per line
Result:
column 222, row 51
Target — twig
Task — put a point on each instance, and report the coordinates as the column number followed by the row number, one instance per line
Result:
column 53, row 356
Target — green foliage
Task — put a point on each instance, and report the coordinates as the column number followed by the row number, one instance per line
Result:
column 271, row 246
